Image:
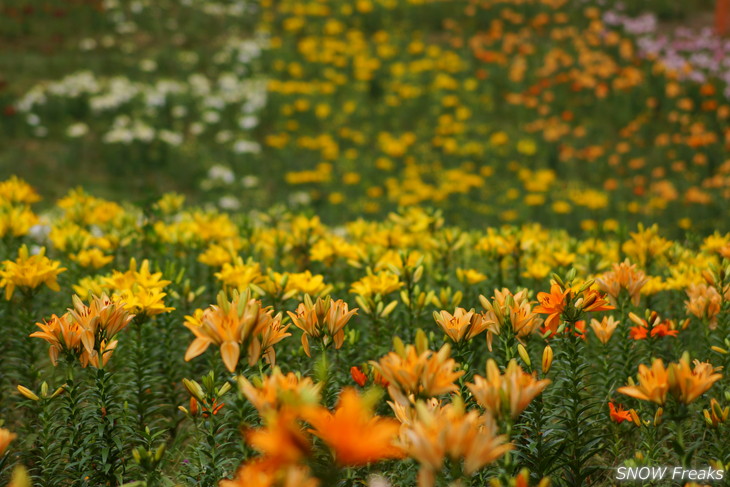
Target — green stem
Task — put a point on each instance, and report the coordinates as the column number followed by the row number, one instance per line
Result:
column 109, row 459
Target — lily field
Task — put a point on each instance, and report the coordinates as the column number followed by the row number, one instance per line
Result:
column 300, row 243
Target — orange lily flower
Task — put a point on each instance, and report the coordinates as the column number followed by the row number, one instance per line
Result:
column 658, row 329
column 687, row 384
column 352, row 432
column 552, row 304
column 594, row 301
column 506, row 394
column 437, row 433
column 324, row 318
column 704, row 303
column 62, row 334
column 653, row 383
column 623, row 276
column 103, row 317
column 282, row 441
column 604, row 329
column 6, row 437
column 233, row 324
column 262, row 473
column 277, row 391
column 425, row 374
column 463, row 325
column 509, row 309
column 87, row 332
column 619, row 415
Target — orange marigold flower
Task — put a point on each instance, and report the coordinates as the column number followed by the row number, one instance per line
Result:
column 354, row 434
column 653, row 383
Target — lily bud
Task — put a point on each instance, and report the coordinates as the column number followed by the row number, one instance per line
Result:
column 399, row 347
column 586, row 285
column 557, row 280
column 570, row 276
column 718, row 410
column 418, row 274
column 653, row 317
column 658, row 416
column 58, row 391
column 547, row 359
column 224, row 388
column 363, row 305
column 421, row 341
column 194, row 389
column 389, row 309
column 524, row 355
column 193, row 406
column 28, row 393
